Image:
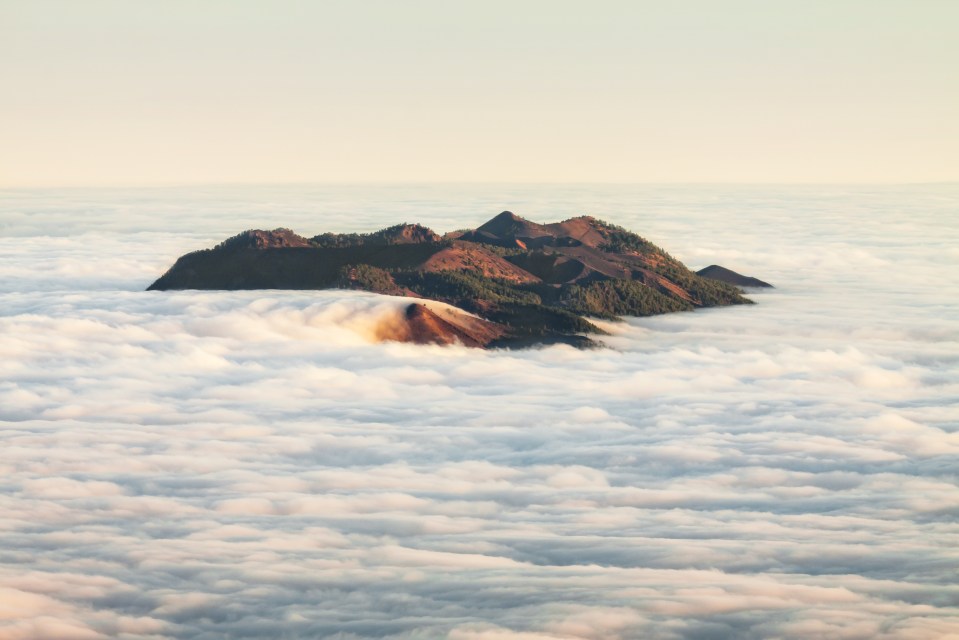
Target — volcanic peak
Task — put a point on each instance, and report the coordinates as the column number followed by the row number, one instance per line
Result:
column 530, row 283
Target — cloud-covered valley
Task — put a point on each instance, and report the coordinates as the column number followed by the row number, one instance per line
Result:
column 258, row 465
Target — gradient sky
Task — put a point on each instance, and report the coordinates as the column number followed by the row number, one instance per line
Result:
column 122, row 92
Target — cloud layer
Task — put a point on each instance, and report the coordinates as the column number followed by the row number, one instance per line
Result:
column 253, row 465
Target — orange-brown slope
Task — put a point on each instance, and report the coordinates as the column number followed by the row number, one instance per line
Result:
column 507, row 226
column 468, row 256
column 584, row 229
column 446, row 326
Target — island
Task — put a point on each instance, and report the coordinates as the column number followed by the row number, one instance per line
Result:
column 508, row 283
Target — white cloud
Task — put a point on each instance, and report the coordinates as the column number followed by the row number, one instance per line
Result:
column 198, row 464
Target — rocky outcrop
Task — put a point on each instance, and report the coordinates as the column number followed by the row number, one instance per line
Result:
column 257, row 239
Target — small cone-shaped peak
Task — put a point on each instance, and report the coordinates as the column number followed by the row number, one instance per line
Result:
column 505, row 217
column 716, row 272
column 507, row 224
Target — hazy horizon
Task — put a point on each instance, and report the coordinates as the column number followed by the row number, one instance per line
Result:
column 465, row 183
column 113, row 93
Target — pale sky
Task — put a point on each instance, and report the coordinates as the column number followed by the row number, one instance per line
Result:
column 137, row 92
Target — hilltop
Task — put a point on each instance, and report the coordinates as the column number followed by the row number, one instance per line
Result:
column 519, row 282
column 723, row 274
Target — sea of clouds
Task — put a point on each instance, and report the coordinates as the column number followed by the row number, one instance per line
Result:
column 255, row 465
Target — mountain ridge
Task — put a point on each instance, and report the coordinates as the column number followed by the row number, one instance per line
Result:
column 534, row 283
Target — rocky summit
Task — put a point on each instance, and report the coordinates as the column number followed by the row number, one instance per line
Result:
column 517, row 282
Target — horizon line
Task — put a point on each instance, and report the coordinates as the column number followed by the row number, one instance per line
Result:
column 387, row 183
